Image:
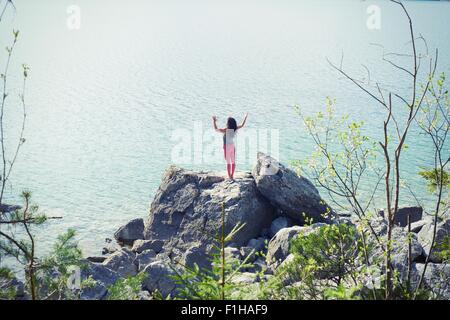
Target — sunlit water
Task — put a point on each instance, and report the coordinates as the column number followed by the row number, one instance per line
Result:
column 105, row 100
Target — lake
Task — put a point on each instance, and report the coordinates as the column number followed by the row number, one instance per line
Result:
column 110, row 103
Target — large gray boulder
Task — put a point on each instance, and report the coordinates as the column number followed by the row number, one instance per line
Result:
column 401, row 217
column 186, row 212
column 102, row 277
column 442, row 238
column 144, row 258
column 295, row 195
column 278, row 248
column 400, row 250
column 130, row 232
column 159, row 278
column 436, row 279
column 122, row 262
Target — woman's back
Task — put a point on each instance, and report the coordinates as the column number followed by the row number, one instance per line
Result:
column 228, row 137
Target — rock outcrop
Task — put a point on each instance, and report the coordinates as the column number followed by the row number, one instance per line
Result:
column 186, row 212
column 272, row 202
column 294, row 195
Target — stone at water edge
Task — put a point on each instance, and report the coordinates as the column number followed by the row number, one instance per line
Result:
column 131, row 231
column 186, row 212
column 294, row 195
column 401, row 217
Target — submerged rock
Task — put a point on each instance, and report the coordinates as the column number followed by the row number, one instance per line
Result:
column 295, row 195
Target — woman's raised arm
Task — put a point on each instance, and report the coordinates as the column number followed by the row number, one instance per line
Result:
column 243, row 122
column 215, row 125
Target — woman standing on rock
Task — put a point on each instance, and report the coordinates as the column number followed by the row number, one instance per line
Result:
column 229, row 150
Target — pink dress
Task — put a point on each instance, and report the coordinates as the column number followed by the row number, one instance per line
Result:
column 229, row 150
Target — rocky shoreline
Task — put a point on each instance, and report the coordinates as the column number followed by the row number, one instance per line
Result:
column 273, row 203
column 271, row 200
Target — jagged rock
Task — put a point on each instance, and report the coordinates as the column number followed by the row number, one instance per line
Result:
column 103, row 277
column 130, row 232
column 294, row 195
column 401, row 217
column 122, row 262
column 160, row 278
column 142, row 245
column 187, row 211
column 144, row 258
column 195, row 255
column 437, row 279
column 280, row 223
column 442, row 238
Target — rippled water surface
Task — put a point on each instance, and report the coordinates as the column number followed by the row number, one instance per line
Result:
column 105, row 100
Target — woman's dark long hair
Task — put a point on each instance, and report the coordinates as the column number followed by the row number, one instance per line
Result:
column 231, row 123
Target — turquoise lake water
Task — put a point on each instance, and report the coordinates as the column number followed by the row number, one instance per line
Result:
column 106, row 101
